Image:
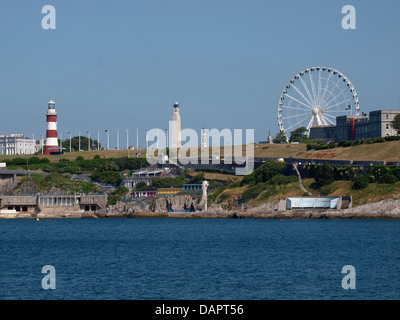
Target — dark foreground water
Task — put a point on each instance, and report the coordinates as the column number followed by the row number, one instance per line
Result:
column 158, row 258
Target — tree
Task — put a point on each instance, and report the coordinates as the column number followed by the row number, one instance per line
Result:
column 299, row 135
column 141, row 186
column 396, row 123
column 84, row 144
column 325, row 175
column 268, row 170
column 361, row 182
column 280, row 137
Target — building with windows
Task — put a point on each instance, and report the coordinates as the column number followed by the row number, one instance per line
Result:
column 357, row 127
column 145, row 176
column 13, row 144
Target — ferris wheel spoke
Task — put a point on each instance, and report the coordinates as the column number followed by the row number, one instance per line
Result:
column 306, row 88
column 295, row 124
column 319, row 84
column 328, row 120
column 296, row 108
column 310, row 123
column 313, row 87
column 302, row 95
column 326, row 86
column 339, row 103
column 295, row 116
column 329, row 115
column 335, row 111
column 324, row 120
column 298, row 101
column 335, row 97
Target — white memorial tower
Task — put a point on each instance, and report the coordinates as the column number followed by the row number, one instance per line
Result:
column 176, row 138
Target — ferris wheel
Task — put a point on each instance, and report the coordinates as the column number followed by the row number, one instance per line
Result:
column 315, row 97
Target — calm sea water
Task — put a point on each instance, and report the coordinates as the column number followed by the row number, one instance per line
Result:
column 158, row 258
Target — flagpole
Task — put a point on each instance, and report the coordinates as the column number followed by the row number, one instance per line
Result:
column 70, row 141
column 117, row 139
column 98, row 140
column 88, row 140
column 108, row 139
column 79, row 140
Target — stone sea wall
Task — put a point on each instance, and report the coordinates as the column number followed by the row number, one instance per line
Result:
column 161, row 207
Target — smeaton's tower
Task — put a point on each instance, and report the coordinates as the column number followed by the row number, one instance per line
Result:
column 176, row 138
column 51, row 133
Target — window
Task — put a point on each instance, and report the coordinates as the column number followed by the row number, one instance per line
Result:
column 387, row 126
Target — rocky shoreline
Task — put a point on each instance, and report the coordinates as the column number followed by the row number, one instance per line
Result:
column 388, row 209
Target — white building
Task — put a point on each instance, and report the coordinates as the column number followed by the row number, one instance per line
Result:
column 16, row 144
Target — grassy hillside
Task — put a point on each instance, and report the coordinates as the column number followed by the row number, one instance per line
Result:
column 375, row 192
column 386, row 151
column 53, row 182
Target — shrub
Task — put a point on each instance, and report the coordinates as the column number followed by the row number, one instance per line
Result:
column 254, row 191
column 44, row 160
column 216, row 193
column 140, row 186
column 392, row 138
column 33, row 160
column 117, row 195
column 361, row 182
column 198, row 178
column 47, row 168
column 281, row 179
column 168, row 182
column 378, row 140
column 223, row 197
column 18, row 161
column 325, row 175
column 268, row 170
column 387, row 178
column 326, row 190
column 110, row 177
column 248, row 180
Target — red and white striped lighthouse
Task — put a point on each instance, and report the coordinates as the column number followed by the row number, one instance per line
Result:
column 51, row 133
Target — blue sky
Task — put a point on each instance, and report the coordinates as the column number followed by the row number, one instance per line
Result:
column 122, row 64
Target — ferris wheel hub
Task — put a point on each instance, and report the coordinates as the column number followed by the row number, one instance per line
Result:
column 316, row 111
